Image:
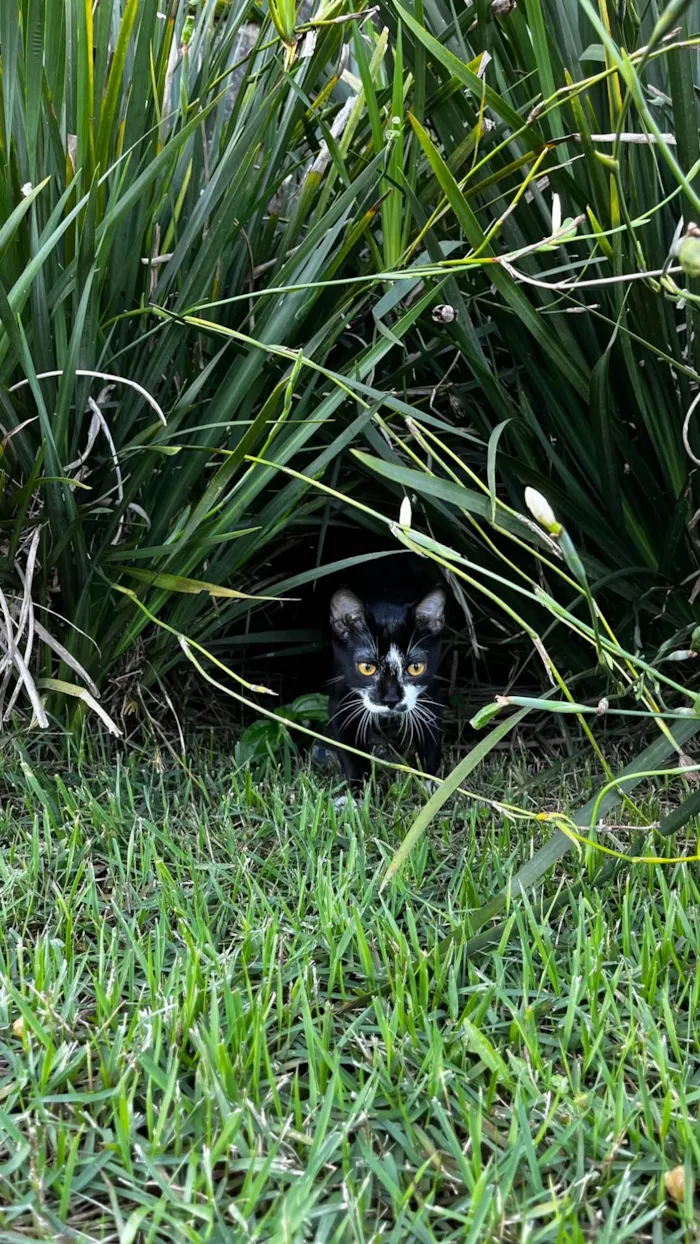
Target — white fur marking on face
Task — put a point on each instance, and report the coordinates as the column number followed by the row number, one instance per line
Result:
column 394, row 661
column 377, row 709
column 411, row 696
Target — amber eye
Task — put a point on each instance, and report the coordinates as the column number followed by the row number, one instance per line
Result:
column 366, row 668
column 416, row 668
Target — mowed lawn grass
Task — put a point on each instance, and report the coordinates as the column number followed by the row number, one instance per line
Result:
column 176, row 1063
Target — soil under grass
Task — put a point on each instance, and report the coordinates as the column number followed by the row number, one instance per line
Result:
column 176, row 1063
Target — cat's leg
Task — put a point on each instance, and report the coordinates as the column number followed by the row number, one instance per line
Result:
column 355, row 768
column 430, row 747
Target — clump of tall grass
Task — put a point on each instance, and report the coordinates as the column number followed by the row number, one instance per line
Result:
column 237, row 241
column 153, row 162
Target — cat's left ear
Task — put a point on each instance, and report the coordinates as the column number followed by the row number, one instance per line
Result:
column 347, row 613
column 430, row 611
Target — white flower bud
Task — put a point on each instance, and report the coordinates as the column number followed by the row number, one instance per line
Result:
column 405, row 514
column 541, row 510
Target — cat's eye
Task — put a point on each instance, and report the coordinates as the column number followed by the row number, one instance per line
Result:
column 416, row 668
column 366, row 668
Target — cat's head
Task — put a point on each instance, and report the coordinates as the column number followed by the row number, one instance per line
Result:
column 387, row 654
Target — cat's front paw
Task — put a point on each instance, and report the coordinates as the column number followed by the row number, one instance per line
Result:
column 324, row 757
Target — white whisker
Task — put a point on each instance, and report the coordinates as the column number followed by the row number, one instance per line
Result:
column 425, row 713
column 353, row 715
column 341, row 707
column 426, row 724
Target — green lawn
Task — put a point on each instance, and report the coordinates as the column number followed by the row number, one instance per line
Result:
column 176, row 1063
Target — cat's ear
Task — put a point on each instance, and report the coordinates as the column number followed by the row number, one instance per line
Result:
column 430, row 611
column 347, row 613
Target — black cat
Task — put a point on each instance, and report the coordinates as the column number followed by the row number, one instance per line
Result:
column 386, row 656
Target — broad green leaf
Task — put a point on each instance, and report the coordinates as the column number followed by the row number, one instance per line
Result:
column 191, row 587
column 455, row 494
column 107, row 124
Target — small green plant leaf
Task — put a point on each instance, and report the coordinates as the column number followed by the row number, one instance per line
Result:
column 485, row 715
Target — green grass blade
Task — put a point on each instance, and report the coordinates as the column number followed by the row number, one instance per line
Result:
column 471, row 761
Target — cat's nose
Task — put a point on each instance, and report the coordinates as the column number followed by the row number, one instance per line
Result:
column 392, row 698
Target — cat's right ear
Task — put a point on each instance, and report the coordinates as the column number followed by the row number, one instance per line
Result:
column 430, row 612
column 347, row 613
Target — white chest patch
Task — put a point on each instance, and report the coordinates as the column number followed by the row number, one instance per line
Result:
column 394, row 661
